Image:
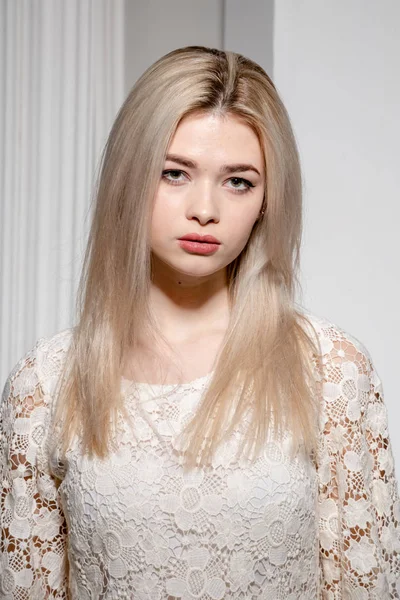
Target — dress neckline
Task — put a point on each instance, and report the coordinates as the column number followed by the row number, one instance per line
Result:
column 168, row 386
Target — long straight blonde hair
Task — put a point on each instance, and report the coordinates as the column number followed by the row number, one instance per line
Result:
column 270, row 346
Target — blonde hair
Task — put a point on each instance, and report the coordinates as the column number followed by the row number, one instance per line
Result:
column 270, row 347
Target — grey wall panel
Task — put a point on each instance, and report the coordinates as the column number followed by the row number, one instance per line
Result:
column 249, row 29
column 156, row 27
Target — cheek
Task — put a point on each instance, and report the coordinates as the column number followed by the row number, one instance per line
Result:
column 241, row 226
column 163, row 219
column 237, row 234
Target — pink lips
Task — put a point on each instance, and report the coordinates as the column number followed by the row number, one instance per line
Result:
column 199, row 244
column 196, row 237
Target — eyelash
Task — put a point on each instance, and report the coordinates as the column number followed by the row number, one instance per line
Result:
column 248, row 184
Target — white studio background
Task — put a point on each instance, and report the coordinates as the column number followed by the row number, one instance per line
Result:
column 337, row 65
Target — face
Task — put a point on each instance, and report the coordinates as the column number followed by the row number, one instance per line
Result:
column 212, row 184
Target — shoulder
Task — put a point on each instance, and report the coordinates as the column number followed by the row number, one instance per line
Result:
column 338, row 345
column 350, row 378
column 352, row 392
column 27, row 402
column 40, row 367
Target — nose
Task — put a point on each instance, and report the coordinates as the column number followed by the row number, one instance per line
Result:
column 203, row 205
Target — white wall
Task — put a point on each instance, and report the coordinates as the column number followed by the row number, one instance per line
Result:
column 337, row 65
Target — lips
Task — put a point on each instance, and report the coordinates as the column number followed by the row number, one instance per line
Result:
column 196, row 237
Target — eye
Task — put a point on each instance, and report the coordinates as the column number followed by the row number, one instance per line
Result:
column 240, row 180
column 172, row 172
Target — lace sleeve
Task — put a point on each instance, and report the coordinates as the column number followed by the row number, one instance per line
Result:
column 359, row 509
column 33, row 530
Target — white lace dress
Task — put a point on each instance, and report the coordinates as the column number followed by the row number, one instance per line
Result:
column 133, row 526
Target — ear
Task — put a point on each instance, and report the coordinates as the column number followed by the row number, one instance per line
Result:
column 262, row 210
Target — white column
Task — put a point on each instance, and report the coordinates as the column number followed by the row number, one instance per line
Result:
column 61, row 85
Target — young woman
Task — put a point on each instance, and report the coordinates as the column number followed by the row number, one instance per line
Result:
column 196, row 435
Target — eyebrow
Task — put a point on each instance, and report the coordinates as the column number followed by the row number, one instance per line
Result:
column 191, row 164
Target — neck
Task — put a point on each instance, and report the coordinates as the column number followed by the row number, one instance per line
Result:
column 185, row 306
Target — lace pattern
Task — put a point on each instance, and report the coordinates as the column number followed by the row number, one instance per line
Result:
column 278, row 529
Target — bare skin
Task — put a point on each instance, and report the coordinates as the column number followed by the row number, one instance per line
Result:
column 189, row 294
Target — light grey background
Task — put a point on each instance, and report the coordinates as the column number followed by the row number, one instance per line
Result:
column 337, row 65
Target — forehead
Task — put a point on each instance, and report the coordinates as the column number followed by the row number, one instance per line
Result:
column 224, row 137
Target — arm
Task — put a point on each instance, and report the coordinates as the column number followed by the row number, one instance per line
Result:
column 359, row 508
column 33, row 529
